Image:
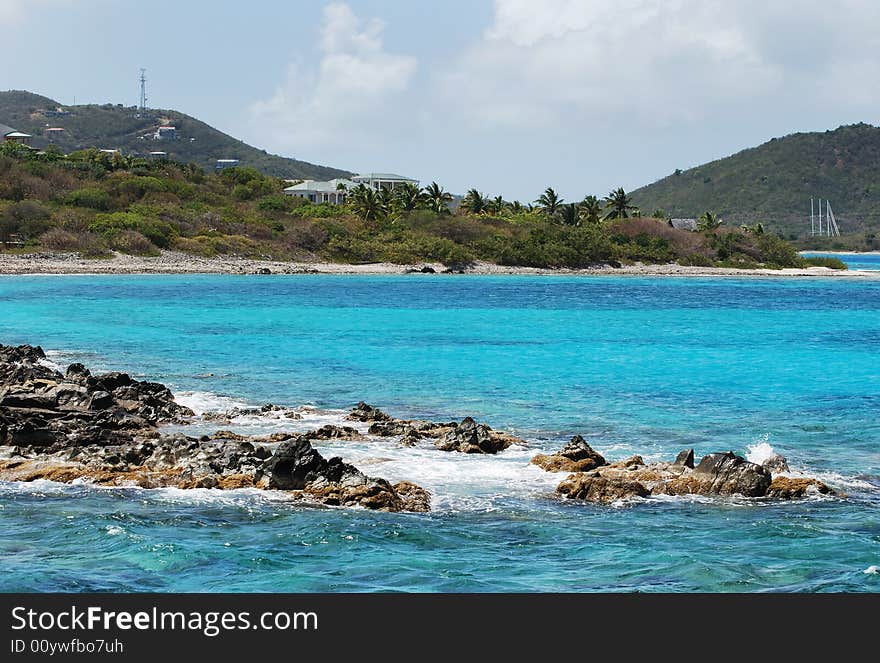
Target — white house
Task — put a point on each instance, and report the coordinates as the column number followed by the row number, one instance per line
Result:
column 335, row 191
column 383, row 180
column 332, row 191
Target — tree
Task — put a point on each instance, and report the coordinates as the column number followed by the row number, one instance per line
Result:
column 438, row 200
column 618, row 204
column 474, row 202
column 516, row 207
column 659, row 213
column 408, row 197
column 549, row 202
column 366, row 203
column 708, row 221
column 568, row 214
column 591, row 210
column 497, row 205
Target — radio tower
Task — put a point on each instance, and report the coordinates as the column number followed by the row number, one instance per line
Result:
column 143, row 104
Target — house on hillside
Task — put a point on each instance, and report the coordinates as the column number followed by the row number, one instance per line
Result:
column 383, row 180
column 332, row 191
column 10, row 134
column 165, row 133
column 223, row 164
column 336, row 190
column 684, row 224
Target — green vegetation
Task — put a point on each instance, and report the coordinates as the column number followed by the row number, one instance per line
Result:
column 773, row 184
column 94, row 203
column 113, row 126
column 831, row 263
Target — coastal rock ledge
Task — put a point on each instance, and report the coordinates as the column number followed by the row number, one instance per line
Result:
column 104, row 430
column 717, row 474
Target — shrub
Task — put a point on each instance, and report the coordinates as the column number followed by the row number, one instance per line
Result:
column 820, row 261
column 90, row 197
column 695, row 260
column 133, row 243
column 89, row 245
column 158, row 232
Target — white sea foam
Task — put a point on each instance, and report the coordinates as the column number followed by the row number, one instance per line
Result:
column 206, row 401
column 760, row 451
column 872, row 570
column 113, row 530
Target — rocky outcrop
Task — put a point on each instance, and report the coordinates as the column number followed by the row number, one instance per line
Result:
column 367, row 413
column 42, row 407
column 718, row 474
column 722, row 474
column 103, row 429
column 594, row 487
column 296, row 465
column 469, row 437
column 776, row 464
column 576, row 456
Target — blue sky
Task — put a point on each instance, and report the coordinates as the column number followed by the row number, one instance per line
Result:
column 508, row 96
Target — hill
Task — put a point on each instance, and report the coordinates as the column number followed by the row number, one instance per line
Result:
column 773, row 183
column 110, row 126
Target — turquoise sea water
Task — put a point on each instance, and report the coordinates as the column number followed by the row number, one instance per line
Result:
column 648, row 366
column 869, row 261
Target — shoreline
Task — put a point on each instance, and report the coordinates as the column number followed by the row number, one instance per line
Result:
column 173, row 262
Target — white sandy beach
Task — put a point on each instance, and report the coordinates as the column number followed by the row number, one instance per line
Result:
column 172, row 262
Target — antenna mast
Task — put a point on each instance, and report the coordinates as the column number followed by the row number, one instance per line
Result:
column 143, row 103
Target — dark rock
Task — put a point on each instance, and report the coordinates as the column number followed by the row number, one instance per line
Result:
column 685, row 459
column 367, row 413
column 576, row 456
column 723, row 474
column 428, row 270
column 472, row 438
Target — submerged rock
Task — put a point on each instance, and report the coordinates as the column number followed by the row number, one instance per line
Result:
column 576, row 456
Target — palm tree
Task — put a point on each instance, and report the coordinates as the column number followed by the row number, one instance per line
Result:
column 757, row 229
column 708, row 221
column 408, row 197
column 516, row 207
column 569, row 215
column 474, row 202
column 497, row 205
column 591, row 210
column 387, row 198
column 659, row 213
column 618, row 204
column 366, row 203
column 438, row 199
column 550, row 202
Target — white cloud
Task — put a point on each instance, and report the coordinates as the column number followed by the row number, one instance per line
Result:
column 345, row 97
column 655, row 61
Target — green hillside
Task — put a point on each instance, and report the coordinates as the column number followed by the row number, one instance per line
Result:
column 773, row 183
column 110, row 126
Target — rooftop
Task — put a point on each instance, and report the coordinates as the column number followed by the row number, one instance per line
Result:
column 383, row 176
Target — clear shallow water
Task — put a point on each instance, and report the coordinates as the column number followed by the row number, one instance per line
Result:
column 869, row 261
column 645, row 366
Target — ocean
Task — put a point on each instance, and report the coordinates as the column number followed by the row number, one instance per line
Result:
column 645, row 366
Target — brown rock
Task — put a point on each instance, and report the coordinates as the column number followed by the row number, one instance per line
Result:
column 414, row 497
column 576, row 456
column 594, row 487
column 787, row 488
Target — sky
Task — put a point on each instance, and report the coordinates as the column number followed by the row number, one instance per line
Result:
column 510, row 96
